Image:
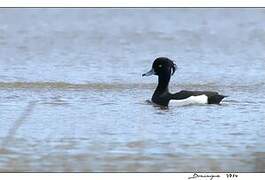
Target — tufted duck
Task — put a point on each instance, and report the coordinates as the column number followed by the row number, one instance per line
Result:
column 164, row 68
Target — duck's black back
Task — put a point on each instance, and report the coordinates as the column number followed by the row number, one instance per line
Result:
column 212, row 97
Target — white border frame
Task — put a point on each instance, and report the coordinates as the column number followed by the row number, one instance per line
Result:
column 132, row 3
column 129, row 176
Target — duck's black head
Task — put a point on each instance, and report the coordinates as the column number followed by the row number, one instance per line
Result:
column 162, row 66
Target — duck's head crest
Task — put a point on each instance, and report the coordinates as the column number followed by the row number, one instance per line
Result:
column 161, row 66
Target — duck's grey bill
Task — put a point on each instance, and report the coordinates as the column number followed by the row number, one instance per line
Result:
column 149, row 73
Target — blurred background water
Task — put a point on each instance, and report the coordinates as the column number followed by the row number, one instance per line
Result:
column 72, row 97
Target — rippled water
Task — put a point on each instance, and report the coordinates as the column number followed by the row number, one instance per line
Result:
column 73, row 99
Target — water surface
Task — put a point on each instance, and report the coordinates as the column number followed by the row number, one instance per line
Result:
column 73, row 99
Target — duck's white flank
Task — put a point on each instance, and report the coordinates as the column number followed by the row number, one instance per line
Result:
column 201, row 99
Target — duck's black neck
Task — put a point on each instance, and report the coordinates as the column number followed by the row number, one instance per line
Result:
column 163, row 81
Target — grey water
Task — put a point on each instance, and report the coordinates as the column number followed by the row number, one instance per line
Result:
column 72, row 98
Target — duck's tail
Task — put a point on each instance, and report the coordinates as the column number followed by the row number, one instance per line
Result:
column 216, row 99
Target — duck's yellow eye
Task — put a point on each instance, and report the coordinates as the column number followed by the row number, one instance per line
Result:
column 160, row 65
